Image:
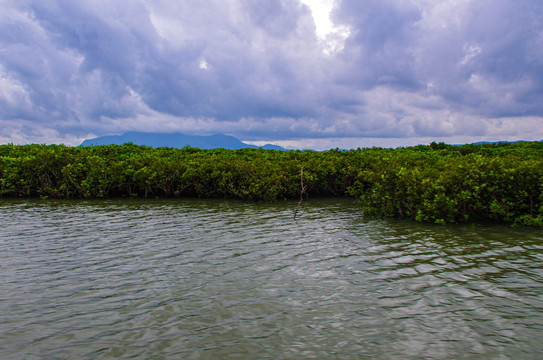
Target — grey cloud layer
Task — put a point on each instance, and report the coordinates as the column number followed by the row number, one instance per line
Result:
column 256, row 69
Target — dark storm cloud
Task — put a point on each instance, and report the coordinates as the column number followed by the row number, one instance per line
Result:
column 487, row 63
column 277, row 18
column 257, row 68
column 474, row 55
column 128, row 53
column 379, row 51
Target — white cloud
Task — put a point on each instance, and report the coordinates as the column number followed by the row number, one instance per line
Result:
column 332, row 36
column 12, row 92
column 203, row 65
column 470, row 51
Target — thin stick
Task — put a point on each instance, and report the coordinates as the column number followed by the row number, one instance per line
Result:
column 302, row 191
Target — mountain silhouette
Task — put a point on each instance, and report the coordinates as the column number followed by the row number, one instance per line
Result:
column 176, row 140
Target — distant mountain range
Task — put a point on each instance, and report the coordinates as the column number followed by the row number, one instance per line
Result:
column 176, row 141
column 509, row 142
column 179, row 140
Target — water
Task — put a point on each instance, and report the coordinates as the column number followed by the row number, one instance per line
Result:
column 194, row 279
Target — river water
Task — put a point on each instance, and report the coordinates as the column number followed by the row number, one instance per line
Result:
column 216, row 279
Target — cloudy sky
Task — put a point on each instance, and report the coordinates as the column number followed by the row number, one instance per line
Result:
column 299, row 73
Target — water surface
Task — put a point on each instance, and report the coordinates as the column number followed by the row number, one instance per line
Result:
column 215, row 279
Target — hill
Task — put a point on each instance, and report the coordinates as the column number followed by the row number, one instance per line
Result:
column 176, row 140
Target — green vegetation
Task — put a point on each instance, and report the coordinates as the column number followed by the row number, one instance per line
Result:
column 437, row 183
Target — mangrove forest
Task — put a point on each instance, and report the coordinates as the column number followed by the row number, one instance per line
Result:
column 438, row 183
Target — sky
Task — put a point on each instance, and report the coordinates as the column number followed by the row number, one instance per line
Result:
column 314, row 74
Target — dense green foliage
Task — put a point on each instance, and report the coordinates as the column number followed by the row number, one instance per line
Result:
column 438, row 183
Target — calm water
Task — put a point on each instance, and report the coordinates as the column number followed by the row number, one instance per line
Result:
column 192, row 279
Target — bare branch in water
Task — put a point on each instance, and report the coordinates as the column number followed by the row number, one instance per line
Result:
column 303, row 188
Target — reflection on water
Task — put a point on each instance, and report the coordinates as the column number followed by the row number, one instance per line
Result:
column 225, row 279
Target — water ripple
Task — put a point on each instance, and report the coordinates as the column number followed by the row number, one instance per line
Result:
column 226, row 279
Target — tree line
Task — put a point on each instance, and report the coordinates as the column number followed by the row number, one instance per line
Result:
column 432, row 183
